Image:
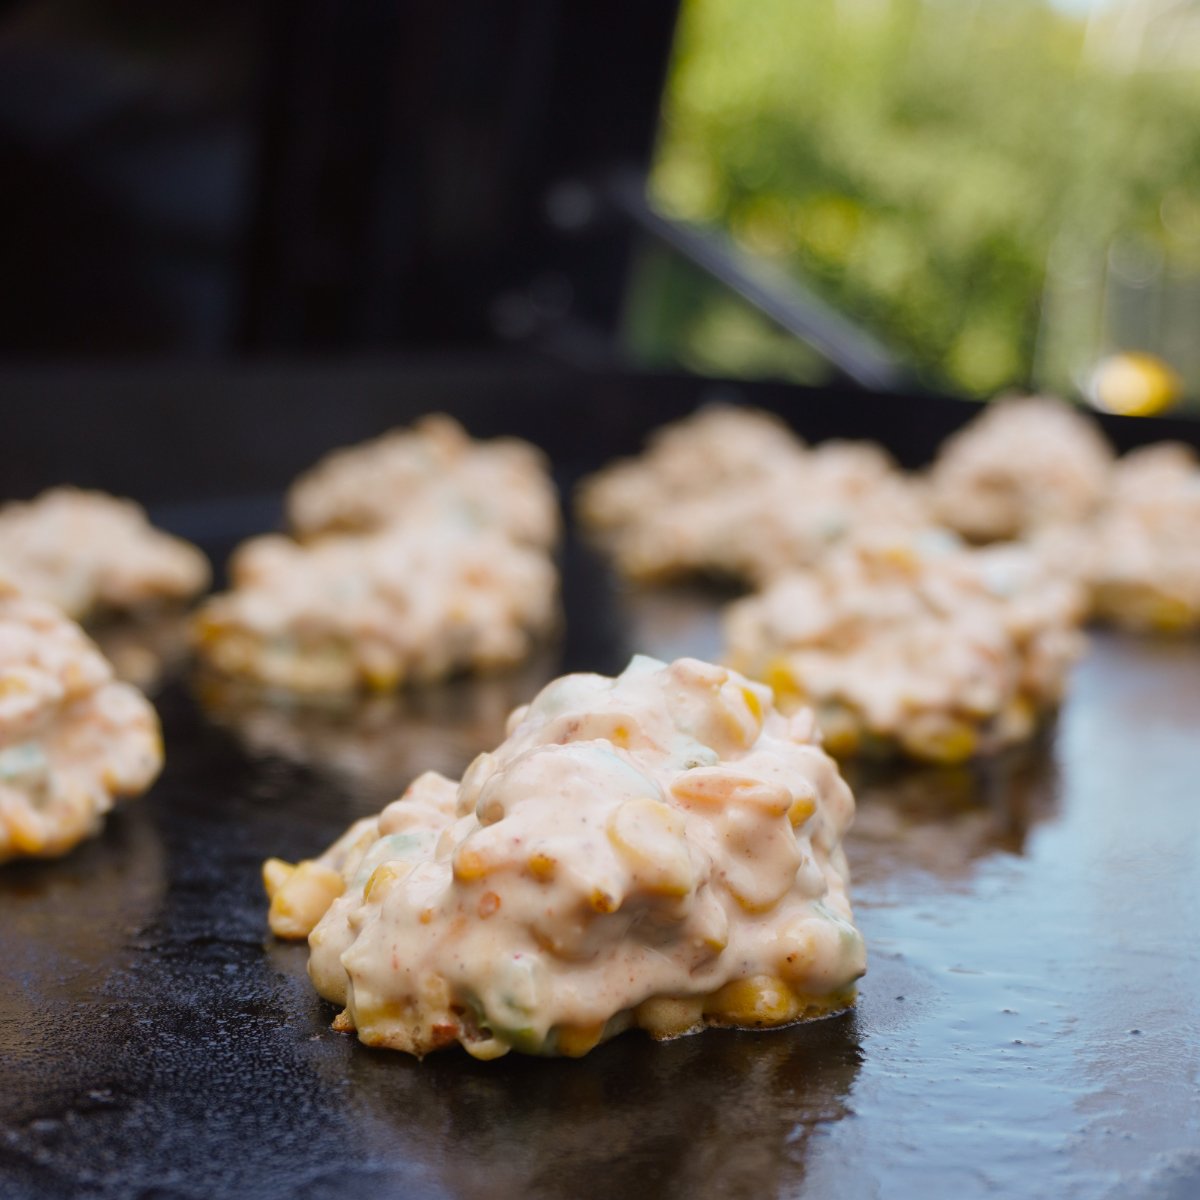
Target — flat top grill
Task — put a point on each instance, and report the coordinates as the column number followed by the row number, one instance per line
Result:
column 1028, row 1025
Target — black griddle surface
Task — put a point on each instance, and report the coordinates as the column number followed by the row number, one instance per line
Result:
column 1029, row 1025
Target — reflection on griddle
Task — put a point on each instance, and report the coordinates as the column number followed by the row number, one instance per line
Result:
column 377, row 743
column 121, row 869
column 144, row 650
column 70, row 926
column 676, row 621
column 941, row 820
column 717, row 1114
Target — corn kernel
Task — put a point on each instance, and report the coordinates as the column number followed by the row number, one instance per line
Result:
column 649, row 835
column 946, row 743
column 491, row 809
column 376, row 1019
column 802, row 726
column 602, row 901
column 802, row 807
column 487, row 1049
column 705, row 786
column 12, row 684
column 542, row 866
column 25, row 833
column 381, row 673
column 760, row 1000
column 1169, row 614
column 708, row 922
column 669, row 1016
column 482, row 767
column 381, row 880
column 303, row 899
column 275, row 873
column 779, row 678
column 700, row 674
column 742, row 719
column 469, row 865
column 574, row 1041
column 841, row 734
column 901, row 555
column 720, row 786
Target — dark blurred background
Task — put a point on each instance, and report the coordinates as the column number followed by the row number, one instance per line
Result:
column 215, row 178
column 906, row 195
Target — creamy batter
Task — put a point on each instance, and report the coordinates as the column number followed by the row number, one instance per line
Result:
column 87, row 552
column 1140, row 558
column 733, row 492
column 428, row 473
column 662, row 850
column 373, row 611
column 72, row 740
column 914, row 643
column 1024, row 463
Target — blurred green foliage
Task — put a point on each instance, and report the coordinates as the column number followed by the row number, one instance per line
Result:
column 919, row 163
